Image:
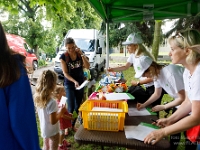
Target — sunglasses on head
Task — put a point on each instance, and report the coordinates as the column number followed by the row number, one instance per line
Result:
column 179, row 35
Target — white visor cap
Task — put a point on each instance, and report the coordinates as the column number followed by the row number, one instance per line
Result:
column 133, row 38
column 141, row 65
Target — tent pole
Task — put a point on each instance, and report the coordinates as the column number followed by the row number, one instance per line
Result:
column 107, row 45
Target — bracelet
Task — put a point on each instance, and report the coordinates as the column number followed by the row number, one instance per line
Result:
column 138, row 83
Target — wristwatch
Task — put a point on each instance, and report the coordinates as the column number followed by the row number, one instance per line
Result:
column 138, row 83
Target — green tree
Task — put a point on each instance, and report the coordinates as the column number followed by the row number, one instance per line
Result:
column 28, row 25
column 117, row 35
column 81, row 15
column 26, row 17
column 192, row 22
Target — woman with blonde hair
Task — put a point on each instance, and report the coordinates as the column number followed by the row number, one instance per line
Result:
column 185, row 50
column 47, row 109
column 136, row 49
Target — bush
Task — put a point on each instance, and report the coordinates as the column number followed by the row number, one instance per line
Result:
column 41, row 63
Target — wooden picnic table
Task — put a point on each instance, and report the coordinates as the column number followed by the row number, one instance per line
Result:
column 109, row 138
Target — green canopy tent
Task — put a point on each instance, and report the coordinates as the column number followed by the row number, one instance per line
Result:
column 137, row 10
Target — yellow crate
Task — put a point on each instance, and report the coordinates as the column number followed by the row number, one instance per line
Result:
column 105, row 120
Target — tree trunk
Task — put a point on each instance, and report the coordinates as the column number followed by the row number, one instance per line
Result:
column 36, row 51
column 156, row 39
column 121, row 49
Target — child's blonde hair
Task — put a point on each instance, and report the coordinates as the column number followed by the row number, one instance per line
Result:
column 45, row 86
column 57, row 91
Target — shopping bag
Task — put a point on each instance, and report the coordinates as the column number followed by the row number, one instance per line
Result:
column 193, row 134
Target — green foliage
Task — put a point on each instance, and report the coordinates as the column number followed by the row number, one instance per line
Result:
column 191, row 22
column 26, row 18
column 41, row 63
column 118, row 35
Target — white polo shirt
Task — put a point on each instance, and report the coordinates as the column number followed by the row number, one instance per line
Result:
column 170, row 79
column 192, row 83
column 47, row 129
column 132, row 59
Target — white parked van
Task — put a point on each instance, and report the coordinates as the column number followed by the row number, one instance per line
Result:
column 92, row 43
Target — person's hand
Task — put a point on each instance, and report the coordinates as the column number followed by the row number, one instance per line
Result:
column 163, row 122
column 134, row 83
column 110, row 69
column 158, row 108
column 78, row 50
column 155, row 136
column 76, row 84
column 140, row 106
column 68, row 117
column 62, row 110
column 71, row 118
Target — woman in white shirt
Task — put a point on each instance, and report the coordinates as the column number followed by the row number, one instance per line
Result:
column 136, row 49
column 185, row 48
column 170, row 78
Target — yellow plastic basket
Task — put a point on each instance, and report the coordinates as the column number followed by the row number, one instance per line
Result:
column 104, row 115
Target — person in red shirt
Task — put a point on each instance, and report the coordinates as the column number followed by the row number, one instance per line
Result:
column 65, row 120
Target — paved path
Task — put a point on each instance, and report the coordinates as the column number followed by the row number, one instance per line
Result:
column 36, row 74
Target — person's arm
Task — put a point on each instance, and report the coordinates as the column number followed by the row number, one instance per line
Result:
column 85, row 61
column 67, row 117
column 153, row 98
column 120, row 68
column 175, row 102
column 182, row 111
column 66, row 74
column 21, row 113
column 84, row 58
column 140, row 82
column 186, row 122
column 55, row 116
column 182, row 125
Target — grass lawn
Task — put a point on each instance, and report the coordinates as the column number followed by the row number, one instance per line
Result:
column 128, row 74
